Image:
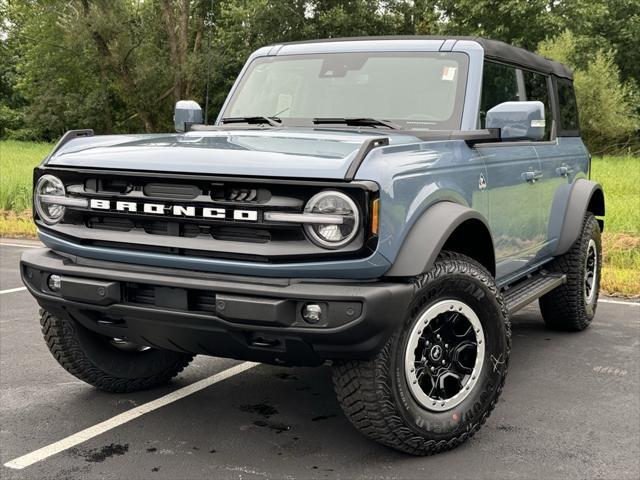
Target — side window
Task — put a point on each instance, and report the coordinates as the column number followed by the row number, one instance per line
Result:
column 499, row 84
column 568, row 106
column 537, row 87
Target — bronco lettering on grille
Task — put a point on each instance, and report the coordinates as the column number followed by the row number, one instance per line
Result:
column 174, row 210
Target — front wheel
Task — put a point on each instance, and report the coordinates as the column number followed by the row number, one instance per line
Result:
column 440, row 374
column 110, row 364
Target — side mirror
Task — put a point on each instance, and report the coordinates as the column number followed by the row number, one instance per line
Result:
column 517, row 120
column 186, row 113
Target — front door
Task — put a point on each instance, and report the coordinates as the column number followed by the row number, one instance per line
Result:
column 513, row 180
column 514, row 203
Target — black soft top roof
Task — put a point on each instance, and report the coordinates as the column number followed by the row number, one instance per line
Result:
column 493, row 49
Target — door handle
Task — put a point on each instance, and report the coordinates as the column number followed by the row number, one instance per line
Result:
column 531, row 176
column 564, row 171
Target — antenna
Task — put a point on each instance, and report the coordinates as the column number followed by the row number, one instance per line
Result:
column 206, row 95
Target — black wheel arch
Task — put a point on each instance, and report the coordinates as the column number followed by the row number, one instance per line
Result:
column 578, row 198
column 447, row 226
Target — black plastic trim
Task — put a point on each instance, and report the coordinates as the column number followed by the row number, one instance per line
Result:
column 360, row 316
column 362, row 153
column 569, row 222
column 428, row 236
column 68, row 136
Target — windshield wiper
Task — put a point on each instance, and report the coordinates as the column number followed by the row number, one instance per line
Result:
column 273, row 121
column 362, row 122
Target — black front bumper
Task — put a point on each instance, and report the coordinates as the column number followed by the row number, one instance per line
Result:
column 251, row 318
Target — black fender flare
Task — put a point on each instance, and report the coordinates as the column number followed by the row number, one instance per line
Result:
column 580, row 196
column 432, row 230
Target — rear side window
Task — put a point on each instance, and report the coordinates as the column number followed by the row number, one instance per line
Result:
column 499, row 84
column 568, row 107
column 537, row 89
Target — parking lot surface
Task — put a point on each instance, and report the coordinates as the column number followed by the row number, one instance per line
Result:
column 570, row 409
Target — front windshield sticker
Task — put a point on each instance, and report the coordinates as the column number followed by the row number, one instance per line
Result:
column 449, row 74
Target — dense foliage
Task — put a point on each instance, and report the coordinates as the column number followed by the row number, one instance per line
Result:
column 119, row 65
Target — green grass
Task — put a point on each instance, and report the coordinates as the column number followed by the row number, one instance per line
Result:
column 620, row 179
column 619, row 176
column 17, row 160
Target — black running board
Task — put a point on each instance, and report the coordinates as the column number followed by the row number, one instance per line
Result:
column 521, row 294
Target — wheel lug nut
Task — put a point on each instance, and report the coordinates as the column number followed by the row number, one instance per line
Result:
column 446, row 345
column 443, row 362
column 433, row 369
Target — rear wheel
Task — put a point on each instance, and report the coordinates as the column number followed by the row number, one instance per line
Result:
column 572, row 306
column 440, row 374
column 110, row 364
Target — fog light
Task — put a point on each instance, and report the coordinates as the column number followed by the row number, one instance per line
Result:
column 312, row 313
column 54, row 282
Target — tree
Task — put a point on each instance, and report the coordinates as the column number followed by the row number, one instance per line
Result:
column 119, row 65
column 606, row 104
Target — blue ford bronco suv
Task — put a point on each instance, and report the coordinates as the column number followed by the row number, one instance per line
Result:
column 382, row 204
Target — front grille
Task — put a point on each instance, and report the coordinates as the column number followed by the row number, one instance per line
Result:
column 197, row 216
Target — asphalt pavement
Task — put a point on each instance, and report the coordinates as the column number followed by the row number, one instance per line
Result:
column 570, row 409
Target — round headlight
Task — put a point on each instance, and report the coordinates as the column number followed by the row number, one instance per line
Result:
column 336, row 204
column 47, row 188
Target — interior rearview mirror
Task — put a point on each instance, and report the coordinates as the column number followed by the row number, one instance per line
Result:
column 518, row 120
column 186, row 113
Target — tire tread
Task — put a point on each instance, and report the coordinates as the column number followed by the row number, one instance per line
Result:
column 363, row 390
column 63, row 342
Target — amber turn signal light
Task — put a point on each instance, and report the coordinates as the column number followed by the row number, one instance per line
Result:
column 375, row 216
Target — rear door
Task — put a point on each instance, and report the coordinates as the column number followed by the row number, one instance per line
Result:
column 562, row 154
column 514, row 202
column 538, row 87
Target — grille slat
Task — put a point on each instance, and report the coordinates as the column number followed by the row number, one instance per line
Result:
column 197, row 300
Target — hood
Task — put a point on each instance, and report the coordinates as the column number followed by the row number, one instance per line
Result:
column 308, row 153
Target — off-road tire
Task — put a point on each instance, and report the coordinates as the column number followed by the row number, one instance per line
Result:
column 91, row 358
column 374, row 394
column 566, row 307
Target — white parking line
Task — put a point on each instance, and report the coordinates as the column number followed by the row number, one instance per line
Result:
column 102, row 427
column 12, row 290
column 619, row 302
column 3, row 244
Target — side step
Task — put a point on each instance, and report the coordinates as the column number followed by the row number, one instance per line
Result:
column 526, row 291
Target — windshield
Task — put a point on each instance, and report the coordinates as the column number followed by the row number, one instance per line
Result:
column 415, row 90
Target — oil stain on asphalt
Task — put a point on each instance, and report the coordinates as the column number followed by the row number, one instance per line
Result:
column 97, row 455
column 263, row 409
column 266, row 411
